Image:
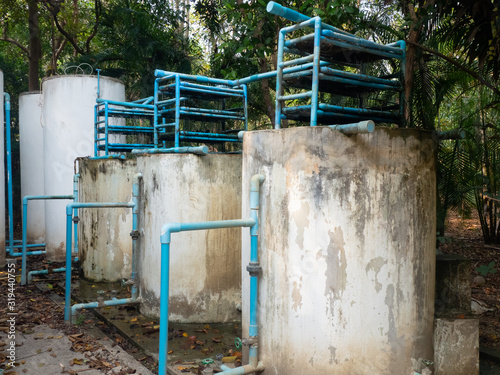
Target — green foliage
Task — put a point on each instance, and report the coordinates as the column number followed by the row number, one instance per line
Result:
column 487, row 269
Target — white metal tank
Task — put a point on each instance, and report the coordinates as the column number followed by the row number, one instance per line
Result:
column 68, row 133
column 104, row 233
column 2, row 180
column 205, row 267
column 347, row 249
column 31, row 153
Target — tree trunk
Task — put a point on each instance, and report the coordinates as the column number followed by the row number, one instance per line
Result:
column 35, row 46
column 268, row 102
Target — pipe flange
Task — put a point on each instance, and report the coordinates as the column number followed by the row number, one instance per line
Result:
column 134, row 234
column 254, row 269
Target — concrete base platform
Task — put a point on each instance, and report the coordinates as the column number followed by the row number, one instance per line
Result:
column 456, row 346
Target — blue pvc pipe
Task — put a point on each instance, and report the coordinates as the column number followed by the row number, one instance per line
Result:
column 43, row 272
column 199, row 150
column 108, row 157
column 255, row 183
column 9, row 172
column 355, row 128
column 24, row 252
column 284, row 12
column 91, row 305
column 76, row 178
column 69, row 213
column 166, row 232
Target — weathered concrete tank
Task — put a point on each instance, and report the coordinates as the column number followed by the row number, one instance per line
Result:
column 347, row 248
column 68, row 133
column 105, row 245
column 31, row 154
column 205, row 266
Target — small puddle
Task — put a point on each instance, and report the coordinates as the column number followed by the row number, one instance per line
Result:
column 188, row 344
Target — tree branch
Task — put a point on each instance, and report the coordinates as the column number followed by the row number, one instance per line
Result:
column 458, row 65
column 54, row 10
column 5, row 38
column 94, row 30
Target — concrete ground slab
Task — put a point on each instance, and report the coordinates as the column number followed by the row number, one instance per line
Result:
column 43, row 350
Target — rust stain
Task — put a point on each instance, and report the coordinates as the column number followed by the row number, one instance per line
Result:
column 296, row 296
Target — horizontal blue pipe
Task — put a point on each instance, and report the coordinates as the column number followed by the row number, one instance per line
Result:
column 31, row 245
column 284, row 12
column 107, row 157
column 364, row 43
column 207, row 139
column 170, row 228
column 199, row 150
column 71, row 206
column 93, row 305
column 125, row 104
column 213, row 135
column 43, row 272
column 25, row 253
column 360, row 127
column 301, row 95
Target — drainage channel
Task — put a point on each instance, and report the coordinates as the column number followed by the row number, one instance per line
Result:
column 189, row 344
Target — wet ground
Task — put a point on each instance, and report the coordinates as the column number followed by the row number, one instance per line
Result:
column 188, row 344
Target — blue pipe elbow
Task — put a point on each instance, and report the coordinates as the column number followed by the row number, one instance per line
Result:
column 284, row 12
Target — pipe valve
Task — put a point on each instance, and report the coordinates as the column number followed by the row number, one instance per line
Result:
column 134, row 234
column 254, row 269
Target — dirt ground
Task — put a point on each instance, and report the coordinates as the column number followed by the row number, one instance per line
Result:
column 463, row 236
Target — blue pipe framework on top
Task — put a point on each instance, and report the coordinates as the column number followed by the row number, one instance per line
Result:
column 69, row 310
column 253, row 268
column 305, row 65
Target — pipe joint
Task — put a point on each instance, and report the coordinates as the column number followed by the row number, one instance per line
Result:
column 253, row 340
column 254, row 269
column 76, row 219
column 135, row 235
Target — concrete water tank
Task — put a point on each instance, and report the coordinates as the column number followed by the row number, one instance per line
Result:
column 105, row 245
column 68, row 133
column 347, row 249
column 2, row 180
column 205, row 269
column 31, row 153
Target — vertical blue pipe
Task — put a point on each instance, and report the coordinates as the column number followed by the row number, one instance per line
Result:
column 155, row 110
column 67, row 296
column 135, row 233
column 254, row 266
column 9, row 172
column 177, row 109
column 402, row 45
column 245, row 105
column 164, row 297
column 106, row 130
column 96, row 132
column 98, row 82
column 315, row 76
column 76, row 178
column 279, row 80
column 24, row 239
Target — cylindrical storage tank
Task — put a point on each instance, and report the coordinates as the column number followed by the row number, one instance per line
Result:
column 31, row 154
column 347, row 249
column 105, row 245
column 68, row 133
column 2, row 180
column 205, row 266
